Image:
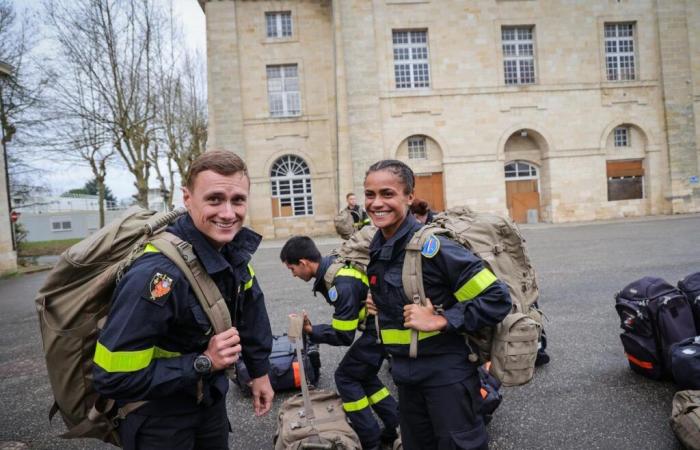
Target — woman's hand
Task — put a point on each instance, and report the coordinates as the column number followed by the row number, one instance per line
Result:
column 423, row 318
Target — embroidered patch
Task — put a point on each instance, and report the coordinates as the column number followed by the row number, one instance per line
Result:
column 431, row 247
column 332, row 294
column 160, row 286
column 373, row 280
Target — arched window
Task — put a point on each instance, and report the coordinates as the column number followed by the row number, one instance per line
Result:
column 291, row 187
column 520, row 170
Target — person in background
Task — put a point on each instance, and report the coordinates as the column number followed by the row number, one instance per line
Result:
column 359, row 215
column 439, row 400
column 421, row 210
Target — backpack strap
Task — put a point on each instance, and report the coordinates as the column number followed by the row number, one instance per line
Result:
column 204, row 287
column 331, row 272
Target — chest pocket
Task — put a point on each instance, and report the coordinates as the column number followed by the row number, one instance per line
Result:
column 393, row 293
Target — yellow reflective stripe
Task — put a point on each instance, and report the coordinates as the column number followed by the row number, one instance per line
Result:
column 249, row 283
column 128, row 361
column 378, row 396
column 475, row 285
column 150, row 248
column 356, row 405
column 344, row 325
column 354, row 273
column 397, row 337
column 363, row 313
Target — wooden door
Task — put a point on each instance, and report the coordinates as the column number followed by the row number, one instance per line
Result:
column 429, row 188
column 521, row 196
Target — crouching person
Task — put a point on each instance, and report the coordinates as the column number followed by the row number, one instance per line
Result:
column 356, row 376
column 157, row 345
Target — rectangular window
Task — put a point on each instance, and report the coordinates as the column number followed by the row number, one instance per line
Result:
column 283, row 90
column 625, row 180
column 518, row 55
column 416, row 148
column 61, row 225
column 619, row 51
column 411, row 65
column 278, row 24
column 622, row 137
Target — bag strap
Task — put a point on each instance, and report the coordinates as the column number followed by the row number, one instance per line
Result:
column 331, row 272
column 204, row 287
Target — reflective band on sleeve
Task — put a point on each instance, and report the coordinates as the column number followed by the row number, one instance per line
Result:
column 379, row 396
column 475, row 285
column 128, row 361
column 363, row 313
column 150, row 248
column 344, row 325
column 401, row 337
column 356, row 405
column 249, row 283
column 354, row 273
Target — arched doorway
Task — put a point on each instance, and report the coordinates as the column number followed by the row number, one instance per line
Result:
column 522, row 191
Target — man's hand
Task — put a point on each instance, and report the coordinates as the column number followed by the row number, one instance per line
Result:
column 308, row 328
column 371, row 306
column 423, row 318
column 262, row 395
column 224, row 349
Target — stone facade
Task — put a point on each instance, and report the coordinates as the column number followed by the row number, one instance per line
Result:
column 563, row 124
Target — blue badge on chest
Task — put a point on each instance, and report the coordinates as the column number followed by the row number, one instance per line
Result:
column 431, row 247
column 332, row 294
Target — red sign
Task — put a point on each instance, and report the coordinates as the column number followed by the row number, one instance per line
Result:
column 14, row 215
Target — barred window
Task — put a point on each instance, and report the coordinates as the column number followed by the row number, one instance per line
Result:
column 417, row 148
column 283, row 90
column 622, row 137
column 411, row 65
column 518, row 54
column 619, row 51
column 291, row 187
column 278, row 24
column 61, row 225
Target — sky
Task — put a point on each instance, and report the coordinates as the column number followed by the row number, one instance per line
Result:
column 120, row 181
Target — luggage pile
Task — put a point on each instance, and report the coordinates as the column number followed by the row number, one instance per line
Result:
column 661, row 340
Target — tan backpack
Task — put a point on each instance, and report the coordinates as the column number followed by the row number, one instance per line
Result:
column 74, row 301
column 685, row 418
column 344, row 224
column 512, row 345
column 353, row 252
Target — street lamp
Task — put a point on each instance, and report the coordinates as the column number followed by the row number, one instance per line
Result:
column 5, row 73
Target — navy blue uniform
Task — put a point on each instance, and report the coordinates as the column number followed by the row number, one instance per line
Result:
column 438, row 390
column 356, row 376
column 155, row 329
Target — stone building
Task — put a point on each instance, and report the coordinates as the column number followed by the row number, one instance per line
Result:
column 547, row 110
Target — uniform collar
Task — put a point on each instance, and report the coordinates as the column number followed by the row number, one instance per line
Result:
column 319, row 284
column 238, row 251
column 387, row 248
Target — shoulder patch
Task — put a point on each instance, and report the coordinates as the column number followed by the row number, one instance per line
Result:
column 159, row 287
column 431, row 247
column 332, row 294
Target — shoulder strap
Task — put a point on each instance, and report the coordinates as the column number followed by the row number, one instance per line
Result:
column 205, row 289
column 331, row 272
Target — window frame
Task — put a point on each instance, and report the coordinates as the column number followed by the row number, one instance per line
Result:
column 285, row 96
column 419, row 141
column 279, row 25
column 282, row 186
column 612, row 58
column 627, row 137
column 61, row 223
column 411, row 66
column 518, row 58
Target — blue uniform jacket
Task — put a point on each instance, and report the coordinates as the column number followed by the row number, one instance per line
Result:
column 156, row 326
column 346, row 295
column 453, row 278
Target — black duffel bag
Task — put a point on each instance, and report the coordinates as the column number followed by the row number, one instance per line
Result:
column 685, row 363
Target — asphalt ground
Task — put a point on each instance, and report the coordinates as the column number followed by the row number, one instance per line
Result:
column 585, row 398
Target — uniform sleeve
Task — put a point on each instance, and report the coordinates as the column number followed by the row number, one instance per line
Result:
column 254, row 328
column 348, row 293
column 129, row 363
column 482, row 299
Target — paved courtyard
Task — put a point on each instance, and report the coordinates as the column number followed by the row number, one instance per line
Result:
column 585, row 398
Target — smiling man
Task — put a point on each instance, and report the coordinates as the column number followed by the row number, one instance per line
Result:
column 157, row 344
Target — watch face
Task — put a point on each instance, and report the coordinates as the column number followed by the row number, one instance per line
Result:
column 202, row 364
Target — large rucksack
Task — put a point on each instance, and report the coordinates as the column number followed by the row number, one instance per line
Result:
column 353, row 252
column 685, row 418
column 690, row 287
column 75, row 299
column 512, row 345
column 653, row 315
column 344, row 225
column 284, row 370
column 314, row 419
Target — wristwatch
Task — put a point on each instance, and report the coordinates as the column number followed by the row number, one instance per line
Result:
column 202, row 364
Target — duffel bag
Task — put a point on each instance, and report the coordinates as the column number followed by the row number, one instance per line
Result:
column 690, row 287
column 685, row 418
column 685, row 363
